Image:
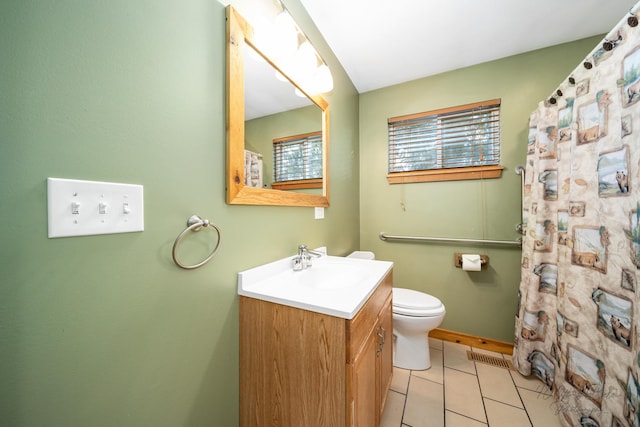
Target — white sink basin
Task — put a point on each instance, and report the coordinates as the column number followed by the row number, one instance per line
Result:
column 336, row 286
column 327, row 273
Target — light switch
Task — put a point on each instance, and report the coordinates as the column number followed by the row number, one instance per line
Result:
column 319, row 213
column 81, row 208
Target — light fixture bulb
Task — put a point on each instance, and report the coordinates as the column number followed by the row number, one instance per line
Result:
column 307, row 59
column 323, row 80
column 284, row 22
column 281, row 77
column 285, row 36
column 319, row 81
column 263, row 38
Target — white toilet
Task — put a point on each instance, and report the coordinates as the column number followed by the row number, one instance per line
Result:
column 414, row 315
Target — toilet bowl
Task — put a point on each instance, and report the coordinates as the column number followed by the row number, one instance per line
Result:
column 414, row 315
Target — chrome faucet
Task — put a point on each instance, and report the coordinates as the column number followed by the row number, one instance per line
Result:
column 303, row 259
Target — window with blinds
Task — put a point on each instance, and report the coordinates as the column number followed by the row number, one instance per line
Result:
column 298, row 159
column 426, row 144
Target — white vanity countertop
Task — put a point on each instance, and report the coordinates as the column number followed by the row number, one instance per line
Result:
column 336, row 286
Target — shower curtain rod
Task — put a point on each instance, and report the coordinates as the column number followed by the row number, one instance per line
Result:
column 518, row 242
column 587, row 60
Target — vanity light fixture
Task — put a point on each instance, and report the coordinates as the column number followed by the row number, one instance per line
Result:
column 281, row 38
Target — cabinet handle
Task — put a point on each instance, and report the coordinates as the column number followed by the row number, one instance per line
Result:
column 382, row 337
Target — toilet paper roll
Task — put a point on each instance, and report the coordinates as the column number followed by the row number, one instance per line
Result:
column 471, row 262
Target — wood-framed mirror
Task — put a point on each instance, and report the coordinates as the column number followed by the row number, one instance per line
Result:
column 239, row 41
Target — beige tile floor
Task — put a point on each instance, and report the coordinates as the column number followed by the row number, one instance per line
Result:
column 457, row 392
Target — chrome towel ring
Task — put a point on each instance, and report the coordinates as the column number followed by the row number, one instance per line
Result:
column 194, row 223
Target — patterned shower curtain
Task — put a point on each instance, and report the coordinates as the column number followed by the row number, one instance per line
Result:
column 577, row 323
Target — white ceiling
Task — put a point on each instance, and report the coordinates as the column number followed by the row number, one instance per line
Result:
column 383, row 43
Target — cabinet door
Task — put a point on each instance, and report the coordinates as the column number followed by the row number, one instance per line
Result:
column 385, row 354
column 363, row 386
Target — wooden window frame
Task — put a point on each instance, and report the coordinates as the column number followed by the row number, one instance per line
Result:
column 446, row 174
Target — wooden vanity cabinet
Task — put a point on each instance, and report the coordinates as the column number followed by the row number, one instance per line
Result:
column 302, row 368
column 369, row 359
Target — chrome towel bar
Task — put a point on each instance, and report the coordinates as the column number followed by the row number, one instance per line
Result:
column 517, row 242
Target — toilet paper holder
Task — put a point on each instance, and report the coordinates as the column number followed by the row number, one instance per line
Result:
column 457, row 260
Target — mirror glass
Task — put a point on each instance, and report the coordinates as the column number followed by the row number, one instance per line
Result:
column 273, row 112
column 262, row 108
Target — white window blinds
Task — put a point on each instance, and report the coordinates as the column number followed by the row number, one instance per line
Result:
column 463, row 136
column 297, row 157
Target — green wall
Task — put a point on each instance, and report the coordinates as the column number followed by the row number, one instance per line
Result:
column 106, row 330
column 477, row 303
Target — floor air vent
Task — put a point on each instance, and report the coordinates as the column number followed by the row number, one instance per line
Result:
column 490, row 360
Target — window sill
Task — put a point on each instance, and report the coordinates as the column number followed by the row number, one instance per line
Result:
column 300, row 184
column 452, row 174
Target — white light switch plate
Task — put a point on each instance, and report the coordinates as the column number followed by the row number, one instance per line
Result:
column 319, row 213
column 82, row 208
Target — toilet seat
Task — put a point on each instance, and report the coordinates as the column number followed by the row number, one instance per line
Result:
column 412, row 303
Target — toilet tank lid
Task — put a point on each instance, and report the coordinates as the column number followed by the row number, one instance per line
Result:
column 362, row 255
column 408, row 298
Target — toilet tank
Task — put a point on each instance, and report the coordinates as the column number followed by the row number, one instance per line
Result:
column 362, row 255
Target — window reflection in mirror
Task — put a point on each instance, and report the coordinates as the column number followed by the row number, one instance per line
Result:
column 287, row 115
column 297, row 161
